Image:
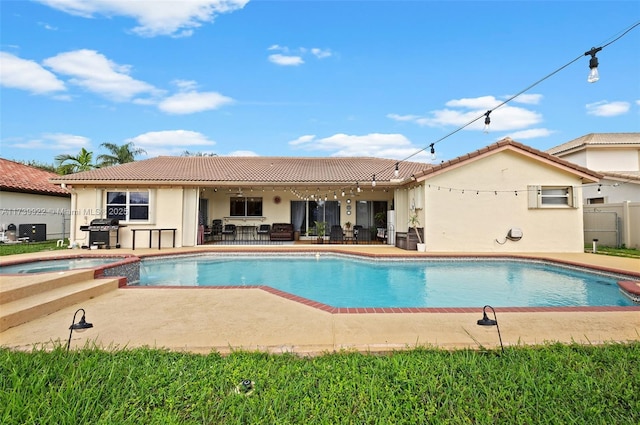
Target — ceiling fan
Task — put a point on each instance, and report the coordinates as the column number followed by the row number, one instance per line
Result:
column 237, row 193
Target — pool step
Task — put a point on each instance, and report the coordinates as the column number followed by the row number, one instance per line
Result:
column 23, row 299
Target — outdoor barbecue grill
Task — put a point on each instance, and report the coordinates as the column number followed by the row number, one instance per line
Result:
column 104, row 233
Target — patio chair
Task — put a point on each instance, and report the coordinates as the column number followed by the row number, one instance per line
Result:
column 216, row 228
column 361, row 234
column 336, row 234
column 264, row 231
column 229, row 230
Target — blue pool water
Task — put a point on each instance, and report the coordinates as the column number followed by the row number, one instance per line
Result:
column 58, row 265
column 348, row 282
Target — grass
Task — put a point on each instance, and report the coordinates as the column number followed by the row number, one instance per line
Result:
column 549, row 384
column 554, row 383
column 618, row 252
column 23, row 248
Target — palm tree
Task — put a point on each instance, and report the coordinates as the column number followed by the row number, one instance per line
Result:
column 120, row 154
column 68, row 164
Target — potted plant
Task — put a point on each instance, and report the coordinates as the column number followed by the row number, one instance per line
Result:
column 381, row 219
column 321, row 227
column 347, row 225
column 414, row 222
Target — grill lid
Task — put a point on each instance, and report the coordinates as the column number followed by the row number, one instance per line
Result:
column 105, row 222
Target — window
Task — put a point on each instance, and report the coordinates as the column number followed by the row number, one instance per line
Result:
column 552, row 197
column 245, row 207
column 128, row 206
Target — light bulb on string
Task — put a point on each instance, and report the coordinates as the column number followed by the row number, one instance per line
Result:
column 433, row 151
column 487, row 122
column 396, row 172
column 594, row 75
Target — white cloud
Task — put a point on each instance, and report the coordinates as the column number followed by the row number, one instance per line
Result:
column 532, row 133
column 242, row 153
column 191, row 102
column 170, row 142
column 284, row 60
column 294, row 57
column 530, row 99
column 66, row 143
column 320, row 53
column 94, row 72
column 374, row 145
column 483, row 102
column 608, row 109
column 302, row 140
column 462, row 112
column 154, row 18
column 27, row 75
column 397, row 117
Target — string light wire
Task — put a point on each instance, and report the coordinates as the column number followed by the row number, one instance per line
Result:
column 485, row 115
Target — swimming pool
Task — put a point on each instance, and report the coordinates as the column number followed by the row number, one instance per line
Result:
column 44, row 266
column 342, row 281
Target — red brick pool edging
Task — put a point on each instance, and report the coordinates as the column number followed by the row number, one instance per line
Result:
column 395, row 310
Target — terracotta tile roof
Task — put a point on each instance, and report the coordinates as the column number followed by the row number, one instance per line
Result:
column 507, row 143
column 597, row 139
column 631, row 176
column 16, row 177
column 260, row 169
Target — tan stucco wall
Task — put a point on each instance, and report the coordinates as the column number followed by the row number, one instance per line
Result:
column 471, row 221
column 165, row 212
column 609, row 159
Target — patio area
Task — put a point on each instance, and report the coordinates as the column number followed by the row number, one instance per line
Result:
column 203, row 319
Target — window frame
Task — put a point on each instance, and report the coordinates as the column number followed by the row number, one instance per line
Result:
column 546, row 197
column 128, row 205
column 251, row 204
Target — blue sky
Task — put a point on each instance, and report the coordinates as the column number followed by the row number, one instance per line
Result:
column 311, row 78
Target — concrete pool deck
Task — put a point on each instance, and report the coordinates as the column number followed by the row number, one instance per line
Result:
column 202, row 320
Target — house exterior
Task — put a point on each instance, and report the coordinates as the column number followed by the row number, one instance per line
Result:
column 612, row 206
column 467, row 204
column 29, row 201
column 614, row 155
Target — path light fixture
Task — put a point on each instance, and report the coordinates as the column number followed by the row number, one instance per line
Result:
column 82, row 325
column 485, row 321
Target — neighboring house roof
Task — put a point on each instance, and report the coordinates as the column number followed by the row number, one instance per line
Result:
column 16, row 177
column 508, row 144
column 630, row 176
column 597, row 140
column 258, row 169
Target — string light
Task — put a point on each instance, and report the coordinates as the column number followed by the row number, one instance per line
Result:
column 373, row 181
column 593, row 77
column 593, row 64
column 487, row 121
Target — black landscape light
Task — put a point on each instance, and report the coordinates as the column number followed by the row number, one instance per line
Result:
column 485, row 321
column 80, row 326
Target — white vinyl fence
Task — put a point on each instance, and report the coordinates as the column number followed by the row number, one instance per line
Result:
column 614, row 225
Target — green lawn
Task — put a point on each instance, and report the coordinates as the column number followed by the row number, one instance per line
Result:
column 554, row 384
column 618, row 252
column 23, row 248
